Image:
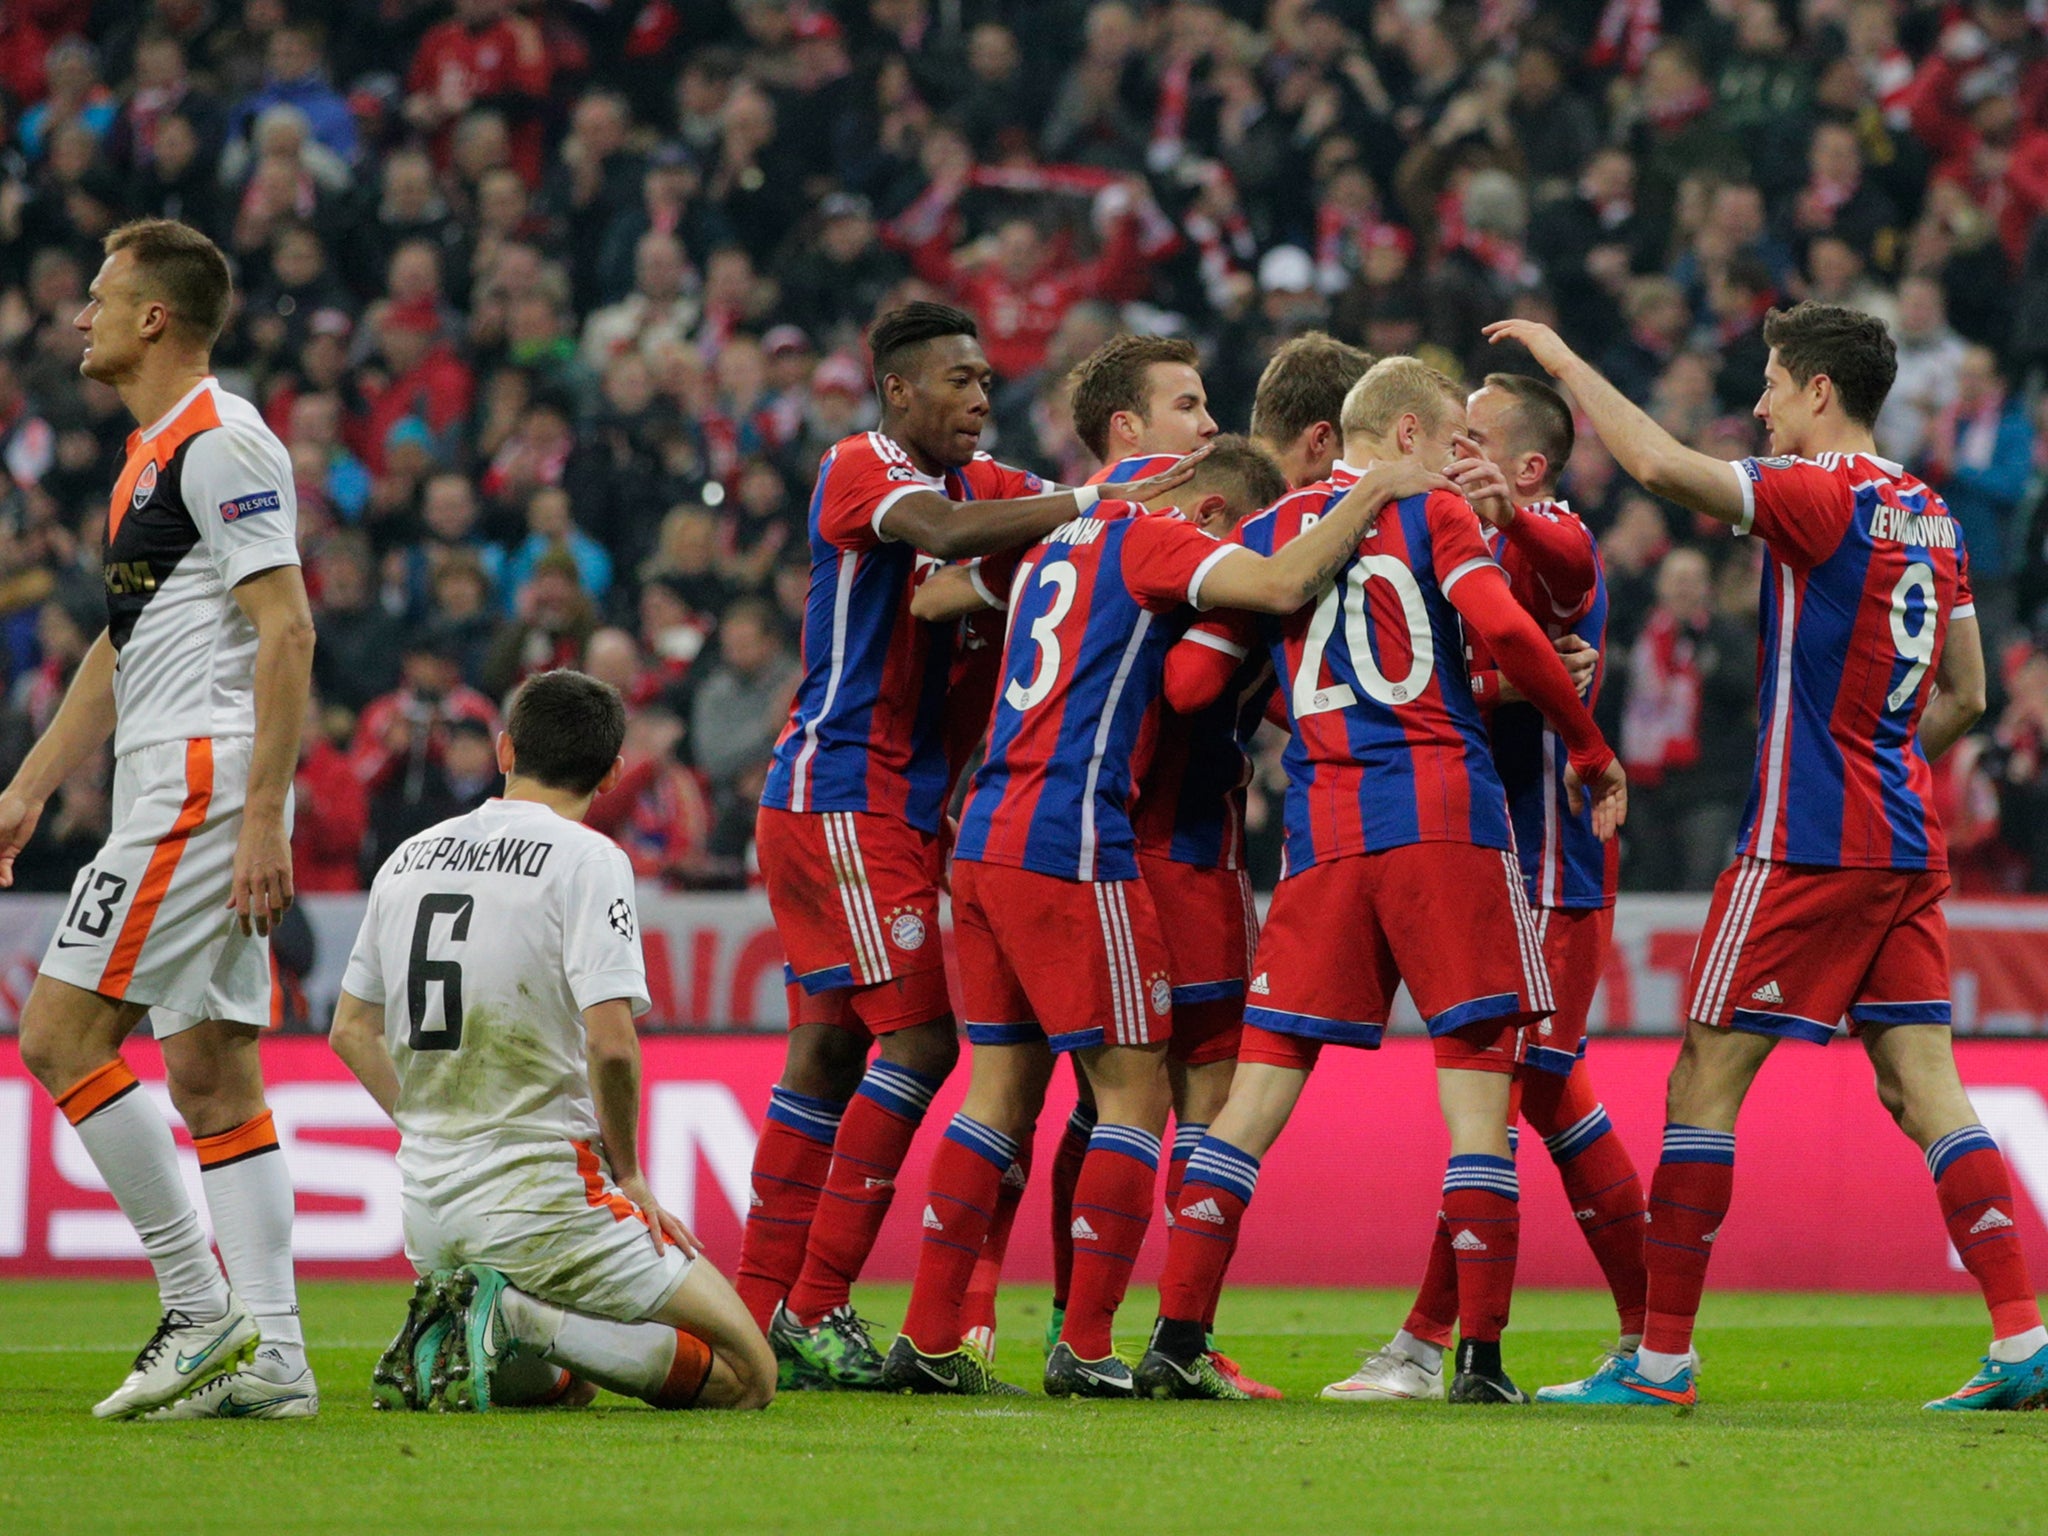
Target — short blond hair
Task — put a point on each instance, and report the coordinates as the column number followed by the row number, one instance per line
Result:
column 1395, row 387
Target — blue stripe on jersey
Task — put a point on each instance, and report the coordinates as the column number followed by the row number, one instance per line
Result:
column 1136, row 467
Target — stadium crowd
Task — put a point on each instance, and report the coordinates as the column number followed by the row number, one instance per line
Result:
column 556, row 305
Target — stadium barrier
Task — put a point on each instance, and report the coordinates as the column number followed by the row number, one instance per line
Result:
column 1828, row 1195
column 713, row 963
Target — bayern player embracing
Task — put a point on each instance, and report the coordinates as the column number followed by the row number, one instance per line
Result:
column 1871, row 669
column 1060, row 946
column 1518, row 439
column 1395, row 818
column 848, row 832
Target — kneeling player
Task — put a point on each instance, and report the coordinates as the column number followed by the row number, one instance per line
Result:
column 488, row 1007
column 1060, row 946
column 1396, row 819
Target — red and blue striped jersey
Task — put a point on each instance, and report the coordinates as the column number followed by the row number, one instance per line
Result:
column 1193, row 769
column 1388, row 746
column 1091, row 618
column 1865, row 569
column 1563, row 864
column 1138, row 466
column 866, row 730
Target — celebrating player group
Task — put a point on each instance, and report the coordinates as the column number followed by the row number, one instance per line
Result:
column 1381, row 569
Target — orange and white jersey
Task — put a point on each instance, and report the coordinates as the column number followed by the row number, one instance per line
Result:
column 485, row 939
column 205, row 501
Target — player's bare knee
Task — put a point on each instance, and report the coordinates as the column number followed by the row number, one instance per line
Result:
column 61, row 1044
column 825, row 1063
column 215, row 1078
column 931, row 1048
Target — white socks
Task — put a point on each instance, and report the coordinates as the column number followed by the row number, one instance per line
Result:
column 632, row 1359
column 249, row 1192
column 2015, row 1349
column 1425, row 1354
column 130, row 1144
column 1652, row 1366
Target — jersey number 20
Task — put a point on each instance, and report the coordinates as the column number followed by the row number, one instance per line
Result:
column 1311, row 696
column 422, row 970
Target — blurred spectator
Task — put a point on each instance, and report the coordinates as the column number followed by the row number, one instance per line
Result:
column 552, row 619
column 357, row 657
column 738, row 710
column 331, row 813
column 404, row 740
column 1980, row 456
column 293, row 76
column 71, row 831
column 549, row 528
column 1930, row 358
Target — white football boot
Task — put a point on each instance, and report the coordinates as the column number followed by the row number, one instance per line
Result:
column 1389, row 1375
column 264, row 1389
column 182, row 1355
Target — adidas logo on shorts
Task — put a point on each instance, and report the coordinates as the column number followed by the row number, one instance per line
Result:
column 1204, row 1210
column 1768, row 993
column 1081, row 1232
column 1468, row 1241
column 932, row 1222
column 1991, row 1221
column 1259, row 988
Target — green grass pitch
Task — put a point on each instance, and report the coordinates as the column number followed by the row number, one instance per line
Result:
column 1811, row 1423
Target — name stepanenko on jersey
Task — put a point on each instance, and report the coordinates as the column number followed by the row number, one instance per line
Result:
column 486, row 938
column 205, row 501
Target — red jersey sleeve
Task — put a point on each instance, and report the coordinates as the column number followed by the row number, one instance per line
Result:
column 992, row 574
column 1557, row 552
column 1457, row 544
column 991, row 481
column 1200, row 665
column 1166, row 558
column 859, row 486
column 1966, row 600
column 1798, row 507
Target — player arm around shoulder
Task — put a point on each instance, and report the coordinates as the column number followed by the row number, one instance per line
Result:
column 83, row 721
column 1300, row 572
column 1656, row 460
column 275, row 603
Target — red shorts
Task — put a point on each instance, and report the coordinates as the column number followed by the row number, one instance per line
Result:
column 1211, row 927
column 1449, row 919
column 856, row 904
column 1079, row 963
column 1574, row 944
column 1790, row 948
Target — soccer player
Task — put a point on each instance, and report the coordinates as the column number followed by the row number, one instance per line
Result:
column 1872, row 668
column 1138, row 404
column 848, row 831
column 1299, row 404
column 488, row 1006
column 201, row 677
column 1519, row 434
column 1396, row 819
column 1060, row 945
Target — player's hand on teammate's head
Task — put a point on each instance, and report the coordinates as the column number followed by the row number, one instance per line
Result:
column 1610, row 797
column 1581, row 660
column 18, row 818
column 1176, row 474
column 1398, row 479
column 1544, row 344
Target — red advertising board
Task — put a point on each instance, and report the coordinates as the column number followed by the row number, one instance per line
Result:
column 1828, row 1195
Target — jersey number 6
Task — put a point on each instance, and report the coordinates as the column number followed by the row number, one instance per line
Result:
column 421, row 970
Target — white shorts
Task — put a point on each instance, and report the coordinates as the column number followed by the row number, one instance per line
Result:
column 552, row 1220
column 148, row 920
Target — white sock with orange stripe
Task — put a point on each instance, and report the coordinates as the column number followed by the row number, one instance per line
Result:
column 249, row 1192
column 632, row 1359
column 130, row 1144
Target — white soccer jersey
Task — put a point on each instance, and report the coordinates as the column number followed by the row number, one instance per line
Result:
column 204, row 502
column 486, row 938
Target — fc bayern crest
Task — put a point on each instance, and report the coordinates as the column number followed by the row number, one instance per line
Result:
column 144, row 484
column 1162, row 994
column 906, row 930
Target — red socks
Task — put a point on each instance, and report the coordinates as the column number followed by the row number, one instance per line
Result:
column 1483, row 1215
column 978, row 1307
column 1688, row 1202
column 1600, row 1180
column 1975, row 1188
column 867, row 1155
column 1436, row 1304
column 967, row 1174
column 1112, row 1208
column 1207, row 1215
column 1066, row 1173
column 790, row 1163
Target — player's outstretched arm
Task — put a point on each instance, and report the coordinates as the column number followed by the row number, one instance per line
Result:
column 955, row 530
column 1659, row 462
column 275, row 602
column 357, row 1036
column 82, row 722
column 1299, row 573
column 1525, row 657
column 1958, row 701
column 613, row 1047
